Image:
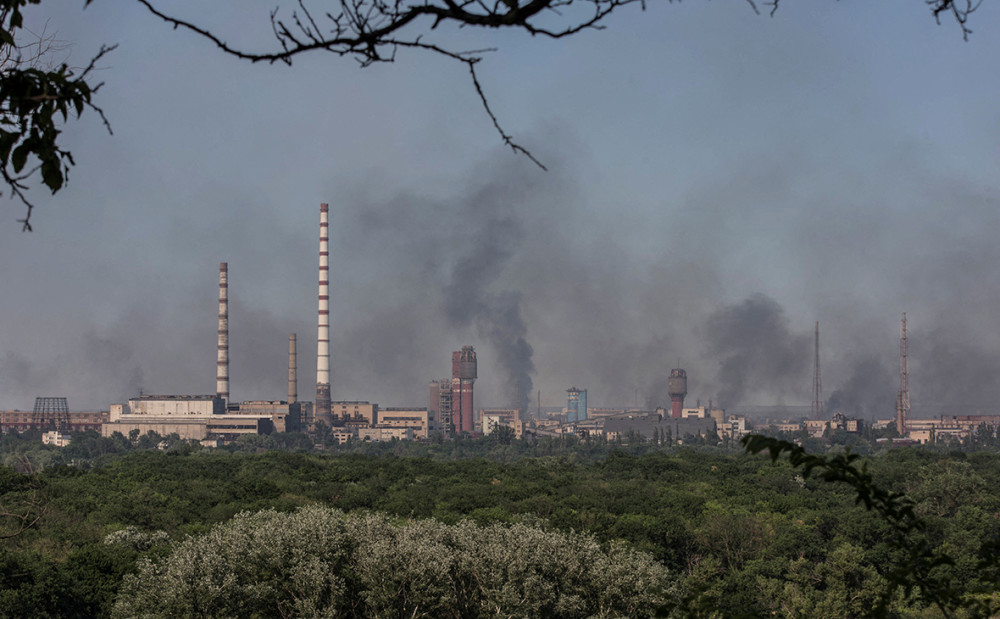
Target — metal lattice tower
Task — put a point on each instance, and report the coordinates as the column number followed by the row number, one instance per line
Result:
column 903, row 402
column 817, row 405
column 50, row 414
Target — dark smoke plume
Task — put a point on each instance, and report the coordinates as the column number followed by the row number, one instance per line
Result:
column 757, row 352
column 497, row 316
column 953, row 372
column 868, row 393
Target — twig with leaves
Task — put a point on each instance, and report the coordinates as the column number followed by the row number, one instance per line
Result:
column 916, row 573
column 35, row 101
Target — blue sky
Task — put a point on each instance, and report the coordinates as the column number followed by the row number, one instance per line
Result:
column 718, row 181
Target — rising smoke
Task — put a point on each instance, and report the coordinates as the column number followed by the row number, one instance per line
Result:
column 468, row 298
column 757, row 352
column 870, row 390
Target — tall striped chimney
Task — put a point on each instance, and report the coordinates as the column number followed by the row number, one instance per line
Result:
column 222, row 370
column 293, row 381
column 322, row 411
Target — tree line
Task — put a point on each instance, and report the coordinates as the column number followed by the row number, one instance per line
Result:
column 738, row 535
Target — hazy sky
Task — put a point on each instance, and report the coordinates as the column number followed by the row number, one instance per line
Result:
column 718, row 181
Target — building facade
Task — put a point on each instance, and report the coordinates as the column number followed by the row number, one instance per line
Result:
column 576, row 405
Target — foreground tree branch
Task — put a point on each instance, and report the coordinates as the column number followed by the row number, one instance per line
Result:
column 916, row 572
column 36, row 100
column 371, row 31
column 22, row 499
column 33, row 97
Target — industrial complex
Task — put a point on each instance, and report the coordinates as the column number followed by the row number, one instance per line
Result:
column 450, row 409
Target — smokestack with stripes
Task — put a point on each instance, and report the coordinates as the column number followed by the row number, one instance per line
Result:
column 322, row 412
column 293, row 380
column 222, row 370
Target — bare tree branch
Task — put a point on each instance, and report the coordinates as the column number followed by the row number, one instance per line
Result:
column 372, row 30
column 22, row 500
column 32, row 96
column 960, row 10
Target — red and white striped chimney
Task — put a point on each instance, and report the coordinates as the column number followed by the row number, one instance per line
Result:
column 322, row 412
column 222, row 371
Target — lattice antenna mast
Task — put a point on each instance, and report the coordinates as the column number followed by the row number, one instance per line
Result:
column 904, row 381
column 817, row 405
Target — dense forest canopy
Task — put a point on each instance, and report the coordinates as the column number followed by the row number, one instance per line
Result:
column 736, row 534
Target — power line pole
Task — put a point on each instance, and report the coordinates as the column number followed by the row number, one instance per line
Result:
column 903, row 401
column 817, row 405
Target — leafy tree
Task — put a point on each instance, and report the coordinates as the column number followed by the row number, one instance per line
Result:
column 320, row 561
column 502, row 435
column 149, row 440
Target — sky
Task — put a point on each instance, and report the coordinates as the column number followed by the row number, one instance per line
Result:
column 718, row 181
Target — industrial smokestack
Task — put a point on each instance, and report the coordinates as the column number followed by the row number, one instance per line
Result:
column 677, row 387
column 293, row 380
column 222, row 370
column 322, row 412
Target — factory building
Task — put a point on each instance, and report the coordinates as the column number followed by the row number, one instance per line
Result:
column 354, row 413
column 491, row 423
column 576, row 405
column 169, row 406
column 506, row 416
column 440, row 404
column 377, row 435
column 493, row 418
column 197, row 417
column 959, row 427
column 705, row 412
column 201, row 417
column 284, row 417
column 56, row 438
column 417, row 419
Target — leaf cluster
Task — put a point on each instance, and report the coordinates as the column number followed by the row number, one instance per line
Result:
column 917, row 573
column 35, row 101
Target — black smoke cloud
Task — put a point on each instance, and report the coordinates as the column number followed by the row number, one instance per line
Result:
column 868, row 392
column 757, row 352
column 84, row 367
column 509, row 253
column 468, row 298
column 434, row 274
